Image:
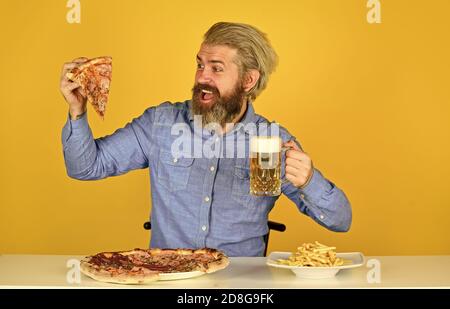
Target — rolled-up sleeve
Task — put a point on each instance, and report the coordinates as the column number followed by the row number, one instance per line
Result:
column 126, row 149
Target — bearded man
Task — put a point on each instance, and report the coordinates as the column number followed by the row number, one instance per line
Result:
column 204, row 201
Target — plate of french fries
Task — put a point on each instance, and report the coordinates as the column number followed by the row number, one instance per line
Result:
column 315, row 261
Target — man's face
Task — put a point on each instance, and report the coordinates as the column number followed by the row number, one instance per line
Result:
column 218, row 93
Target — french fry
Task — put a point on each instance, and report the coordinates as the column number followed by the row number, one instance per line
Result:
column 313, row 255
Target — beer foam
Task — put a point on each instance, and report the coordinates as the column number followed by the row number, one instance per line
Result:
column 266, row 144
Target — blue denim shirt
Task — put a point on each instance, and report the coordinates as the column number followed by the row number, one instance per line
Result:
column 196, row 201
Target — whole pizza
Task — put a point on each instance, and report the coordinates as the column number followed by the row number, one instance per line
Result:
column 141, row 266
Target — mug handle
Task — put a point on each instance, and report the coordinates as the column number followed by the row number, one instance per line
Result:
column 284, row 149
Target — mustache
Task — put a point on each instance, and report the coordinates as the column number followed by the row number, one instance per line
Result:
column 197, row 89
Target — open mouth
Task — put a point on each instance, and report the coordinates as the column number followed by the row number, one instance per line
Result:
column 206, row 96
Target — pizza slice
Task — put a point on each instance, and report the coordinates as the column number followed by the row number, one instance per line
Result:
column 94, row 77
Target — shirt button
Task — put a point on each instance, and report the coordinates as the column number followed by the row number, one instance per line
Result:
column 206, row 199
column 211, row 168
column 204, row 228
column 321, row 217
column 175, row 160
column 302, row 196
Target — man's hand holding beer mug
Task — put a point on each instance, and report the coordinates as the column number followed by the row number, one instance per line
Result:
column 265, row 165
column 299, row 168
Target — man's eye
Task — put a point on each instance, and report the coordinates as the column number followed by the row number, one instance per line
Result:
column 200, row 66
column 217, row 69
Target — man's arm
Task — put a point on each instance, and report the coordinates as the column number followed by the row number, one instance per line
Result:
column 323, row 201
column 313, row 194
column 126, row 149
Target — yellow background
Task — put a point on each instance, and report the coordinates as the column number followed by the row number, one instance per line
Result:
column 369, row 102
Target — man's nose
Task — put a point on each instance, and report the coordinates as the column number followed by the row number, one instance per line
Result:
column 204, row 77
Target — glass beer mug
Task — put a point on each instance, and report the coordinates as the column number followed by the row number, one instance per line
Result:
column 265, row 165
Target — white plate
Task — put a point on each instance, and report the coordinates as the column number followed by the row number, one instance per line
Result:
column 356, row 259
column 178, row 276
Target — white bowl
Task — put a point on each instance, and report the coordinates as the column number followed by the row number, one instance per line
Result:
column 352, row 260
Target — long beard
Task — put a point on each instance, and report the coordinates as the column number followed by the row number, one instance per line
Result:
column 223, row 109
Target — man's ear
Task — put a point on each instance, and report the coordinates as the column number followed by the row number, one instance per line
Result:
column 250, row 79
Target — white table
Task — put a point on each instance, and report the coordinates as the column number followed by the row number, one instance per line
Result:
column 43, row 271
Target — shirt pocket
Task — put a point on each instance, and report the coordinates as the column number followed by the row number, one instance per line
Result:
column 173, row 173
column 241, row 190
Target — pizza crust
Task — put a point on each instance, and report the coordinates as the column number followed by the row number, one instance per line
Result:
column 221, row 260
column 218, row 265
column 95, row 61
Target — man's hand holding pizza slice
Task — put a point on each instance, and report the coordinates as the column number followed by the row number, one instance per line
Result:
column 87, row 80
column 72, row 91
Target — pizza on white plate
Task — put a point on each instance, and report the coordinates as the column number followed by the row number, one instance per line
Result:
column 141, row 266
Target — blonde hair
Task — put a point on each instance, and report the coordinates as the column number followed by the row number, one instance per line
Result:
column 254, row 50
